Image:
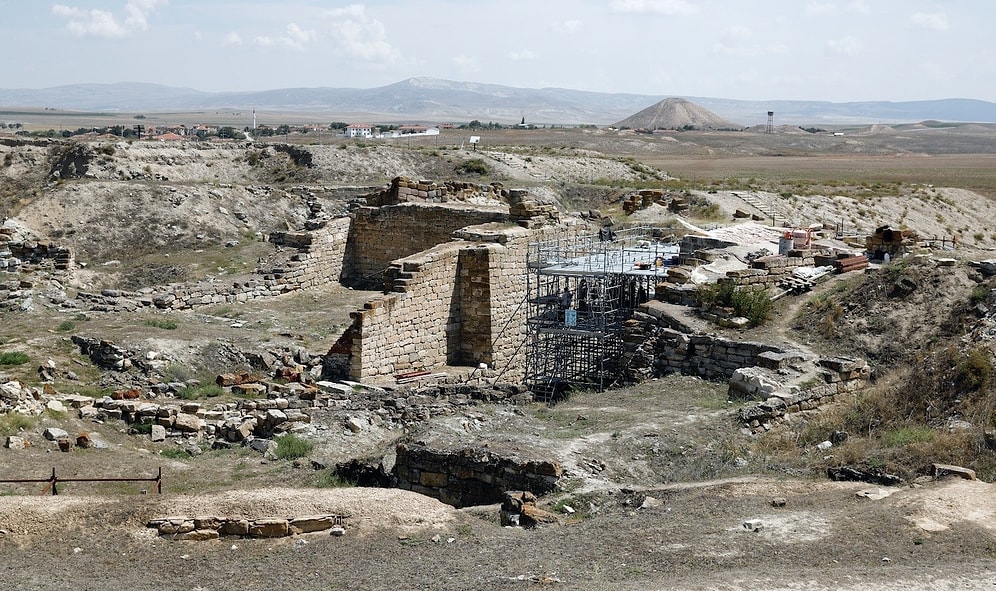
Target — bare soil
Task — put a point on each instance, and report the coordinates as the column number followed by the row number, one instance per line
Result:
column 659, row 476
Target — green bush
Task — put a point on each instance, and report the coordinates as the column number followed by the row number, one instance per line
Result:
column 67, row 326
column 753, row 303
column 200, row 391
column 473, row 166
column 292, row 447
column 162, row 323
column 14, row 358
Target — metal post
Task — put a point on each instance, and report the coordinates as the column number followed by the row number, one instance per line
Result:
column 54, row 480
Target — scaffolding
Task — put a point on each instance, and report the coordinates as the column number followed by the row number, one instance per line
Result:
column 580, row 292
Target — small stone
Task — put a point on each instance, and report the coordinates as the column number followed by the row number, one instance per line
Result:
column 337, row 531
column 779, row 502
column 753, row 525
column 55, row 434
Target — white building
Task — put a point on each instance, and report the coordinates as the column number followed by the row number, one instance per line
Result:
column 359, row 130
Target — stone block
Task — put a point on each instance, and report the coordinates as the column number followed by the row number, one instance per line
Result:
column 313, row 523
column 269, row 528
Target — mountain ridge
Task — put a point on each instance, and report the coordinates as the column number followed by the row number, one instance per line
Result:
column 438, row 100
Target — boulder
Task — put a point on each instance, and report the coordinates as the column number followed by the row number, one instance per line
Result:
column 15, row 442
column 55, row 434
column 55, row 406
column 158, row 433
column 187, row 423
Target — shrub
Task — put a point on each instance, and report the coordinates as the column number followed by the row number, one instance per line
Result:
column 162, row 323
column 472, row 166
column 292, row 447
column 200, row 391
column 14, row 358
column 753, row 303
column 67, row 326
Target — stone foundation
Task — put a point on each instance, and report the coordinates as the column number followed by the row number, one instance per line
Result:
column 469, row 477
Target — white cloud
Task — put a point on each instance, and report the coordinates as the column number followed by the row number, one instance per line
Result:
column 568, row 26
column 294, row 38
column 845, row 46
column 523, row 56
column 359, row 36
column 233, row 38
column 101, row 23
column 937, row 21
column 669, row 7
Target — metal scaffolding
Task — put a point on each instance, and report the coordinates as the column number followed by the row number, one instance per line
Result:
column 581, row 290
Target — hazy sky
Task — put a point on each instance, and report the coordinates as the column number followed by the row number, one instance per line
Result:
column 837, row 50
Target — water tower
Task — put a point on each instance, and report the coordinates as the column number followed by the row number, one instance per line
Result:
column 771, row 122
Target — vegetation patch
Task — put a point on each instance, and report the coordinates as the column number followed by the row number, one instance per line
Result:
column 14, row 358
column 292, row 447
column 162, row 323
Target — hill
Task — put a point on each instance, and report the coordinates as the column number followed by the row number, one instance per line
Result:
column 677, row 113
column 432, row 99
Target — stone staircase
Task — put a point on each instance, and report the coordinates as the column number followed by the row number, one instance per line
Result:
column 764, row 205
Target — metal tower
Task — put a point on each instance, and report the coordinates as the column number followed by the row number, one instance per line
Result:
column 771, row 122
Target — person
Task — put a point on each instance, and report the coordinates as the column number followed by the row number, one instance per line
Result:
column 565, row 299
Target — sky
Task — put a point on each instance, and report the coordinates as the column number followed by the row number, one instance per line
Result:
column 833, row 50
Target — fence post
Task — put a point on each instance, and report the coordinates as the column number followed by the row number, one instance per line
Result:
column 159, row 481
column 54, row 480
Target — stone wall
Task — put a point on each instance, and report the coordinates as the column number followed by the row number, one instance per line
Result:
column 417, row 325
column 839, row 375
column 457, row 303
column 653, row 348
column 384, row 234
column 318, row 258
column 210, row 527
column 470, row 476
column 403, row 190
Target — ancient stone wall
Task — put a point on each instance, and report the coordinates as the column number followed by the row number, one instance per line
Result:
column 417, row 325
column 318, row 257
column 403, row 190
column 384, row 234
column 470, row 476
column 840, row 376
column 653, row 349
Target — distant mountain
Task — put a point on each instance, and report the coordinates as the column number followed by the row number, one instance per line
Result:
column 431, row 99
column 676, row 113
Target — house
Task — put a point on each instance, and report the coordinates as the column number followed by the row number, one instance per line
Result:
column 359, row 130
column 417, row 130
